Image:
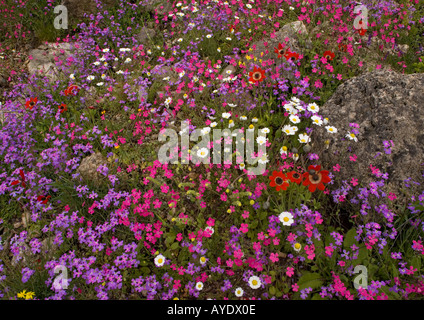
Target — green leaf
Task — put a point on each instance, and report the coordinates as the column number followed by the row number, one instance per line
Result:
column 416, row 263
column 272, row 291
column 316, row 296
column 312, row 280
column 175, row 246
column 349, row 238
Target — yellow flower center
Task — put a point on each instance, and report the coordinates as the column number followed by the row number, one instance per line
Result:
column 255, row 282
column 160, row 261
column 286, row 219
column 297, row 246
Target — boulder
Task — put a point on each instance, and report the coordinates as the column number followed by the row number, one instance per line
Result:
column 43, row 59
column 145, row 35
column 387, row 106
column 89, row 165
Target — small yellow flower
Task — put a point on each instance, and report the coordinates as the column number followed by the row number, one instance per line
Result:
column 104, row 111
column 117, row 147
column 229, row 211
column 21, row 294
column 252, row 202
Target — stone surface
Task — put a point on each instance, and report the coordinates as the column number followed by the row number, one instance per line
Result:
column 264, row 49
column 89, row 165
column 145, row 35
column 43, row 59
column 161, row 7
column 387, row 106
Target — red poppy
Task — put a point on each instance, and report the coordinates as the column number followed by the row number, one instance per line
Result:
column 362, row 31
column 315, row 178
column 342, row 47
column 294, row 177
column 329, row 55
column 291, row 55
column 361, row 28
column 22, row 181
column 63, row 108
column 72, row 90
column 31, row 103
column 43, row 199
column 234, row 28
column 279, row 180
column 257, row 75
column 280, row 50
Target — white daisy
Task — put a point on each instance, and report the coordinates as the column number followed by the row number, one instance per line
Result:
column 89, row 78
column 168, row 101
column 297, row 246
column 199, row 285
column 316, row 120
column 331, row 129
column 304, row 138
column 265, row 130
column 313, row 107
column 226, row 115
column 205, row 131
column 202, row 260
column 127, row 60
column 286, row 218
column 351, row 136
column 213, row 124
column 289, row 130
column 261, row 140
column 255, row 119
column 239, row 292
column 159, row 260
column 254, row 282
column 295, row 119
column 283, row 150
column 72, row 76
column 264, row 159
column 244, row 118
column 202, row 152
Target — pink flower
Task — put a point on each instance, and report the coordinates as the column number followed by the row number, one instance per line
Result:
column 274, row 257
column 244, row 228
column 290, row 272
column 329, row 251
column 295, row 287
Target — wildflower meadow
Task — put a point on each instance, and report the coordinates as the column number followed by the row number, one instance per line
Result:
column 195, row 150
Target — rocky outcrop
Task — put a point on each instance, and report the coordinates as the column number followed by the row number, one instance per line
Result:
column 387, row 106
column 89, row 165
column 43, row 59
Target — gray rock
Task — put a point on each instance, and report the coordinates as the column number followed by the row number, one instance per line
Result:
column 43, row 59
column 145, row 35
column 387, row 106
column 161, row 7
column 89, row 165
column 291, row 31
